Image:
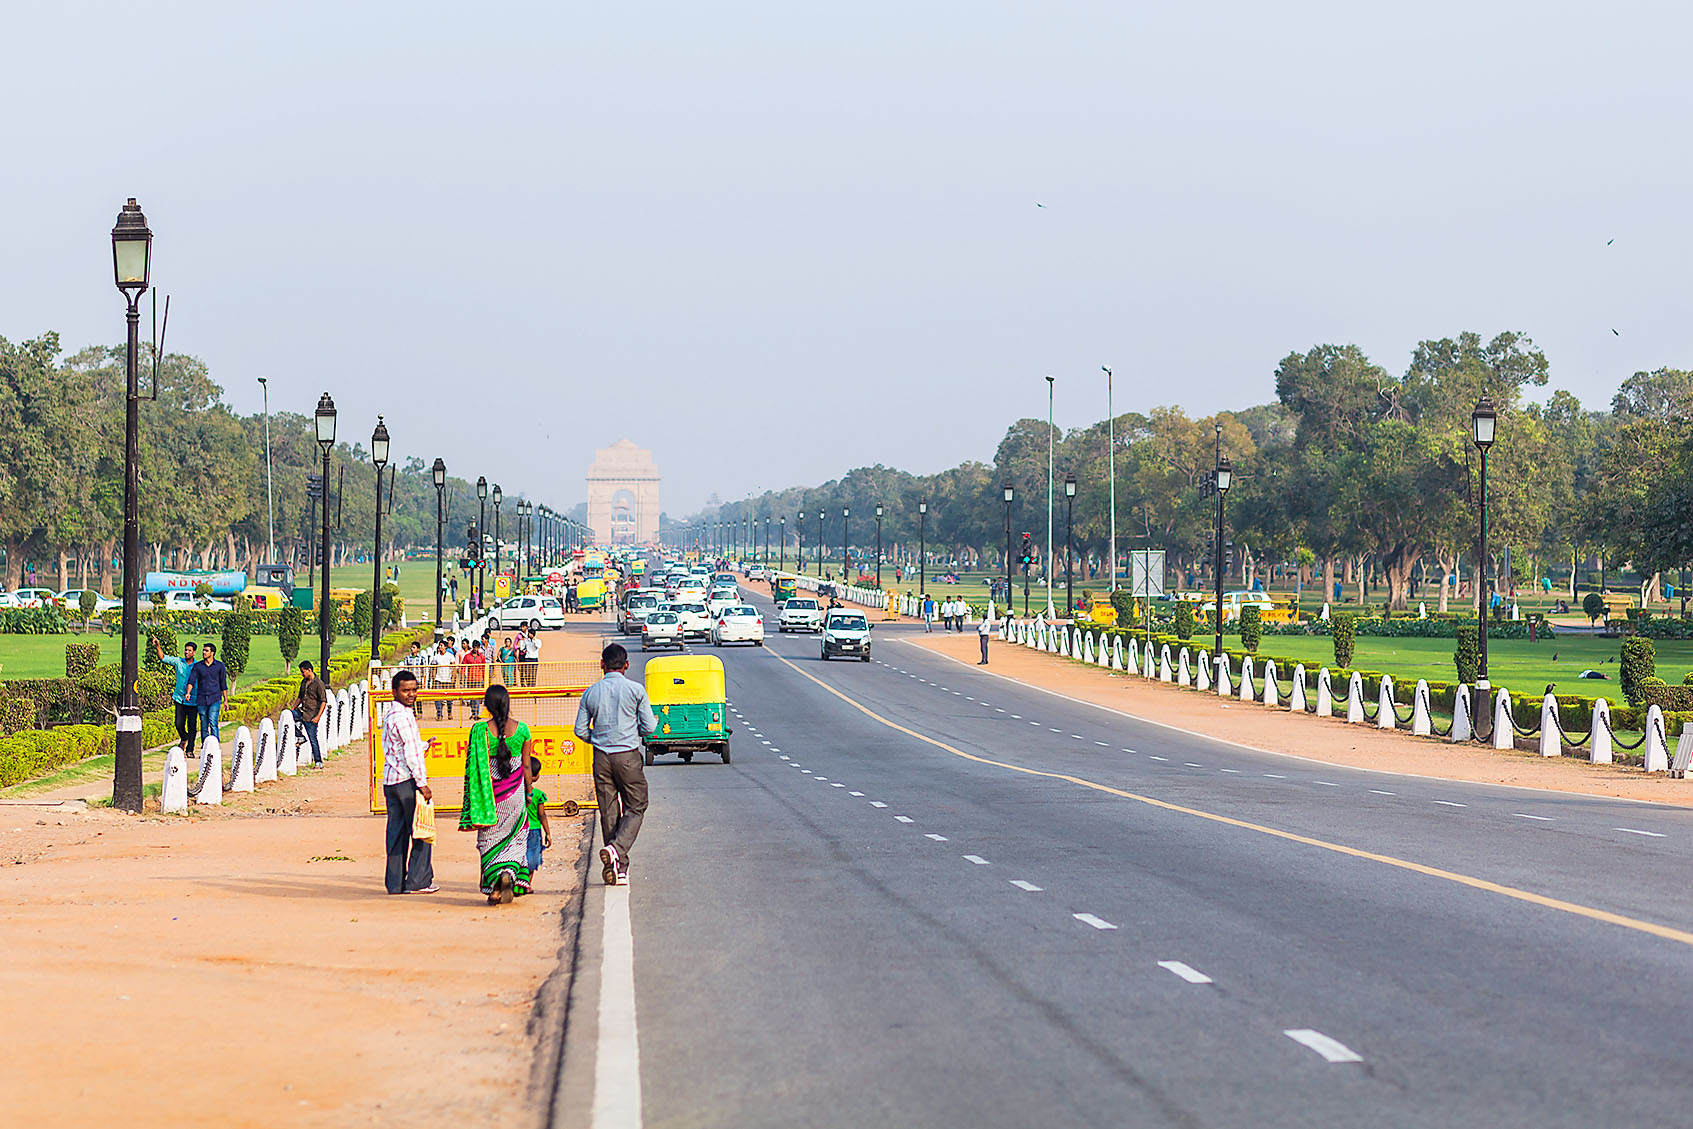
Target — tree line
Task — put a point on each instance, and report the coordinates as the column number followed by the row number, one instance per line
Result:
column 1351, row 471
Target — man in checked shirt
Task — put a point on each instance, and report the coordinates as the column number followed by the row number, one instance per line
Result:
column 405, row 777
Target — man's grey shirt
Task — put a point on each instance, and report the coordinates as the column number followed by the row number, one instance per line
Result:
column 614, row 714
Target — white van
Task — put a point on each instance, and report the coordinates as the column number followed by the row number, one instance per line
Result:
column 846, row 631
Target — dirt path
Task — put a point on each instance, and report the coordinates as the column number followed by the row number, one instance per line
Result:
column 1306, row 735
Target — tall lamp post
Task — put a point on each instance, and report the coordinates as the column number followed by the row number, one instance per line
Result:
column 799, row 543
column 1484, row 422
column 132, row 255
column 439, row 473
column 878, row 546
column 379, row 459
column 846, row 553
column 481, row 529
column 922, row 544
column 782, row 548
column 1046, row 561
column 325, row 417
column 1069, row 545
column 820, row 542
column 270, row 494
column 1008, row 493
column 1111, row 447
column 1224, row 474
column 497, row 497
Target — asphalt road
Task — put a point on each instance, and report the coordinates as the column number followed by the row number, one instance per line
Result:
column 851, row 925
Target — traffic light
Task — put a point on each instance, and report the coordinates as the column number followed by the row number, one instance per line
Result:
column 314, row 486
column 472, row 544
column 1028, row 552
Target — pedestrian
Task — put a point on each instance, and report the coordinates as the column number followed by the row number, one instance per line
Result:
column 982, row 630
column 208, row 682
column 308, row 709
column 405, row 777
column 187, row 717
column 508, row 659
column 928, row 613
column 442, row 661
column 413, row 660
column 613, row 716
column 453, row 586
column 540, row 829
column 531, row 648
column 473, row 670
column 497, row 782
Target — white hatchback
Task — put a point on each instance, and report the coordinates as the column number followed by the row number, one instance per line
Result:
column 738, row 623
column 799, row 613
column 696, row 621
column 661, row 629
column 721, row 598
column 529, row 611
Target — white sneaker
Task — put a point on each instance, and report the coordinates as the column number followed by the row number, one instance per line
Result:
column 623, row 876
column 609, row 865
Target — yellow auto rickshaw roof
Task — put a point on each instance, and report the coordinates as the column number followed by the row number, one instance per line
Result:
column 685, row 679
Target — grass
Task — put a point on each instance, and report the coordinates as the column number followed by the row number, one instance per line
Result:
column 43, row 656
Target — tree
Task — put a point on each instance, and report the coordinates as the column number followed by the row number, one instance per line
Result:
column 1593, row 605
column 290, row 626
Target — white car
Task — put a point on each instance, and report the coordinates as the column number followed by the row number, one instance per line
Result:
column 73, row 600
column 529, row 611
column 33, row 597
column 799, row 613
column 696, row 621
column 721, row 598
column 738, row 623
column 688, row 593
column 756, row 572
column 846, row 632
column 182, row 601
column 661, row 629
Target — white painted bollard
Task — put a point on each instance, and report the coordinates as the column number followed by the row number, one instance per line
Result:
column 1184, row 676
column 241, row 761
column 1149, row 668
column 1386, row 716
column 173, row 793
column 1325, row 616
column 1203, row 682
column 1422, row 610
column 1504, row 734
column 1272, row 689
column 1246, row 693
column 208, row 788
column 324, row 733
column 1683, row 754
column 287, row 745
column 1421, row 723
column 1657, row 752
column 1463, row 728
column 1225, row 681
column 1164, row 674
column 1296, row 699
column 264, row 753
column 1551, row 745
column 1355, row 699
column 1091, row 654
column 1064, row 642
column 1325, row 693
column 1102, row 654
column 1133, row 660
column 343, row 720
column 1600, row 751
column 1117, row 654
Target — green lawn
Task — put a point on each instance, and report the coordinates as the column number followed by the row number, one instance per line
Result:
column 43, row 656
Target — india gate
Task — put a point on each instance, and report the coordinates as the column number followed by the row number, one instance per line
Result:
column 623, row 495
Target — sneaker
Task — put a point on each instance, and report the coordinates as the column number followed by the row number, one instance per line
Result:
column 429, row 889
column 623, row 876
column 608, row 858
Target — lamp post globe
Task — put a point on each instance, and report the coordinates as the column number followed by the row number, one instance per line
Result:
column 132, row 260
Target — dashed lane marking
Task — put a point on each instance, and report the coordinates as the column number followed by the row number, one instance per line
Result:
column 1539, row 818
column 977, row 859
column 1186, row 971
column 905, row 819
column 936, row 838
column 1379, row 792
column 1090, row 919
column 1331, row 1049
column 859, row 794
column 1022, row 885
column 1637, row 831
column 1451, row 804
column 877, row 804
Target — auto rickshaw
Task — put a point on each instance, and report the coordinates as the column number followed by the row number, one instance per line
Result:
column 783, row 587
column 690, row 705
column 589, row 594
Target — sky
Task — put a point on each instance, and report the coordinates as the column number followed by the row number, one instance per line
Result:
column 774, row 241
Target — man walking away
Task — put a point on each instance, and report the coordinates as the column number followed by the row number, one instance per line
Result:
column 982, row 631
column 442, row 661
column 208, row 682
column 613, row 717
column 187, row 717
column 314, row 699
column 405, row 777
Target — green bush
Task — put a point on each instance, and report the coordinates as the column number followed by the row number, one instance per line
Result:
column 1467, row 658
column 1638, row 662
column 393, row 606
column 1251, row 628
column 1184, row 620
column 80, row 658
column 361, row 614
column 1671, row 699
column 1593, row 606
column 85, row 605
column 290, row 626
column 15, row 713
column 1343, row 629
column 237, row 642
column 1124, row 604
column 33, row 621
column 166, row 640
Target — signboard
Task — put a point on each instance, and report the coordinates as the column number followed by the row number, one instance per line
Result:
column 502, row 586
column 1146, row 572
column 229, row 583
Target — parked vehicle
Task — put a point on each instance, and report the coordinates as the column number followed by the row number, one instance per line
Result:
column 180, row 601
column 529, row 611
column 799, row 613
column 846, row 632
column 73, row 600
column 689, row 701
column 33, row 597
column 739, row 623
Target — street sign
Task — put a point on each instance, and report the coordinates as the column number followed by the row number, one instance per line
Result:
column 1146, row 572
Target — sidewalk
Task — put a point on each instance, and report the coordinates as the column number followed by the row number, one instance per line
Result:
column 1304, row 735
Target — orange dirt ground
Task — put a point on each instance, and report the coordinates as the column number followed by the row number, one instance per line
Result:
column 244, row 966
column 1318, row 739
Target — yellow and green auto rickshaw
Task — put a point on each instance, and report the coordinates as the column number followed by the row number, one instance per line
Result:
column 589, row 594
column 690, row 704
column 783, row 587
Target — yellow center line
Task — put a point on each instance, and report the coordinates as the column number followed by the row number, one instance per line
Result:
column 1532, row 898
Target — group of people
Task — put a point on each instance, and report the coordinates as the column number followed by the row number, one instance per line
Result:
column 463, row 663
column 951, row 610
column 502, row 803
column 202, row 683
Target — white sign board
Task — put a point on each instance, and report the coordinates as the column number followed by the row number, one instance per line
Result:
column 1146, row 572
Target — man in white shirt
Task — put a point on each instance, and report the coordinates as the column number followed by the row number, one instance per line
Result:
column 442, row 662
column 405, row 777
column 982, row 630
column 530, row 649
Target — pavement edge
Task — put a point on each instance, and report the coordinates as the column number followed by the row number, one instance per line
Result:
column 552, row 999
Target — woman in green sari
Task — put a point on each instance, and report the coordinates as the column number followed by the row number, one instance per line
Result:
column 496, row 797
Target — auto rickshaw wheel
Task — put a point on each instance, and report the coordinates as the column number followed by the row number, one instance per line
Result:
column 724, row 749
column 648, row 756
column 687, row 756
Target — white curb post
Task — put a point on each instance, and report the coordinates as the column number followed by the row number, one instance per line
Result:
column 1504, row 736
column 1657, row 755
column 287, row 745
column 208, row 789
column 1355, row 699
column 1164, row 674
column 1421, row 724
column 241, row 761
column 173, row 793
column 1386, row 716
column 1325, row 693
column 1117, row 654
column 1600, row 752
column 1225, row 681
column 1462, row 727
column 1272, row 691
column 1683, row 753
column 1246, row 693
column 1184, row 676
column 264, row 761
column 1296, row 697
column 1551, row 745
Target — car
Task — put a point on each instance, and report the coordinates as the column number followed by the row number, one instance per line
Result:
column 723, row 580
column 33, row 597
column 846, row 632
column 8, row 600
column 756, row 572
column 661, row 629
column 635, row 611
column 695, row 619
column 738, row 623
column 73, row 600
column 688, row 592
column 179, row 600
column 721, row 598
column 799, row 613
column 529, row 611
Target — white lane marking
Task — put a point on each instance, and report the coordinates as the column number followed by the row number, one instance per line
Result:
column 617, row 1062
column 1036, row 724
column 774, row 749
column 807, row 771
column 1637, row 831
column 822, row 778
column 1128, row 750
column 1524, row 815
column 1090, row 919
column 1451, row 804
column 905, row 819
column 1326, row 783
column 766, row 742
column 1156, row 757
column 1331, row 1049
column 859, row 794
column 1000, row 709
column 1103, row 744
column 786, row 757
column 837, row 785
column 1049, row 728
column 936, row 838
column 1379, row 792
column 1186, row 971
column 877, row 804
column 1190, row 764
column 1275, row 776
column 1018, row 716
column 977, row 859
column 954, row 693
column 1022, row 885
column 1234, row 770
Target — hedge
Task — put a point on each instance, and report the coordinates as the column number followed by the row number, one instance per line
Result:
column 33, row 621
column 80, row 658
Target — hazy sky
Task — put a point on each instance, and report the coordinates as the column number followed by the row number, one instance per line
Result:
column 772, row 241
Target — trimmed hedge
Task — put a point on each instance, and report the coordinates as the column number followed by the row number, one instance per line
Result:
column 1638, row 662
column 1343, row 629
column 1251, row 628
column 80, row 658
column 1467, row 658
column 33, row 621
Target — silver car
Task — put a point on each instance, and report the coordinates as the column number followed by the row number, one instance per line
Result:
column 661, row 629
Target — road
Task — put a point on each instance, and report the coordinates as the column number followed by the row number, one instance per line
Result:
column 923, row 895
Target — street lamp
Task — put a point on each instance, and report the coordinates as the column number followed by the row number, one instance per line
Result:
column 1484, row 423
column 782, row 549
column 325, row 417
column 922, row 543
column 497, row 535
column 1224, row 474
column 378, row 458
column 439, row 472
column 1046, row 561
column 270, row 494
column 481, row 526
column 132, row 257
column 878, row 546
column 819, row 542
column 1008, row 493
column 1111, row 445
column 1069, row 544
column 846, row 553
column 799, row 543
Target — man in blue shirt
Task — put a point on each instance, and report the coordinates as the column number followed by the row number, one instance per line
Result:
column 613, row 716
column 186, row 715
column 208, row 682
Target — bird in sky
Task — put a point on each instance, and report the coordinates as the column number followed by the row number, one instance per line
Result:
column 1610, row 241
column 1040, row 205
column 1615, row 332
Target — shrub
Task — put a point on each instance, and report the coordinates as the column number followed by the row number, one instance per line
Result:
column 237, row 642
column 1467, row 658
column 1638, row 662
column 165, row 639
column 1593, row 606
column 32, row 621
column 1343, row 629
column 1251, row 629
column 1124, row 603
column 80, row 658
column 290, row 625
column 1671, row 699
column 1184, row 620
column 85, row 604
column 15, row 713
column 393, row 606
column 361, row 614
